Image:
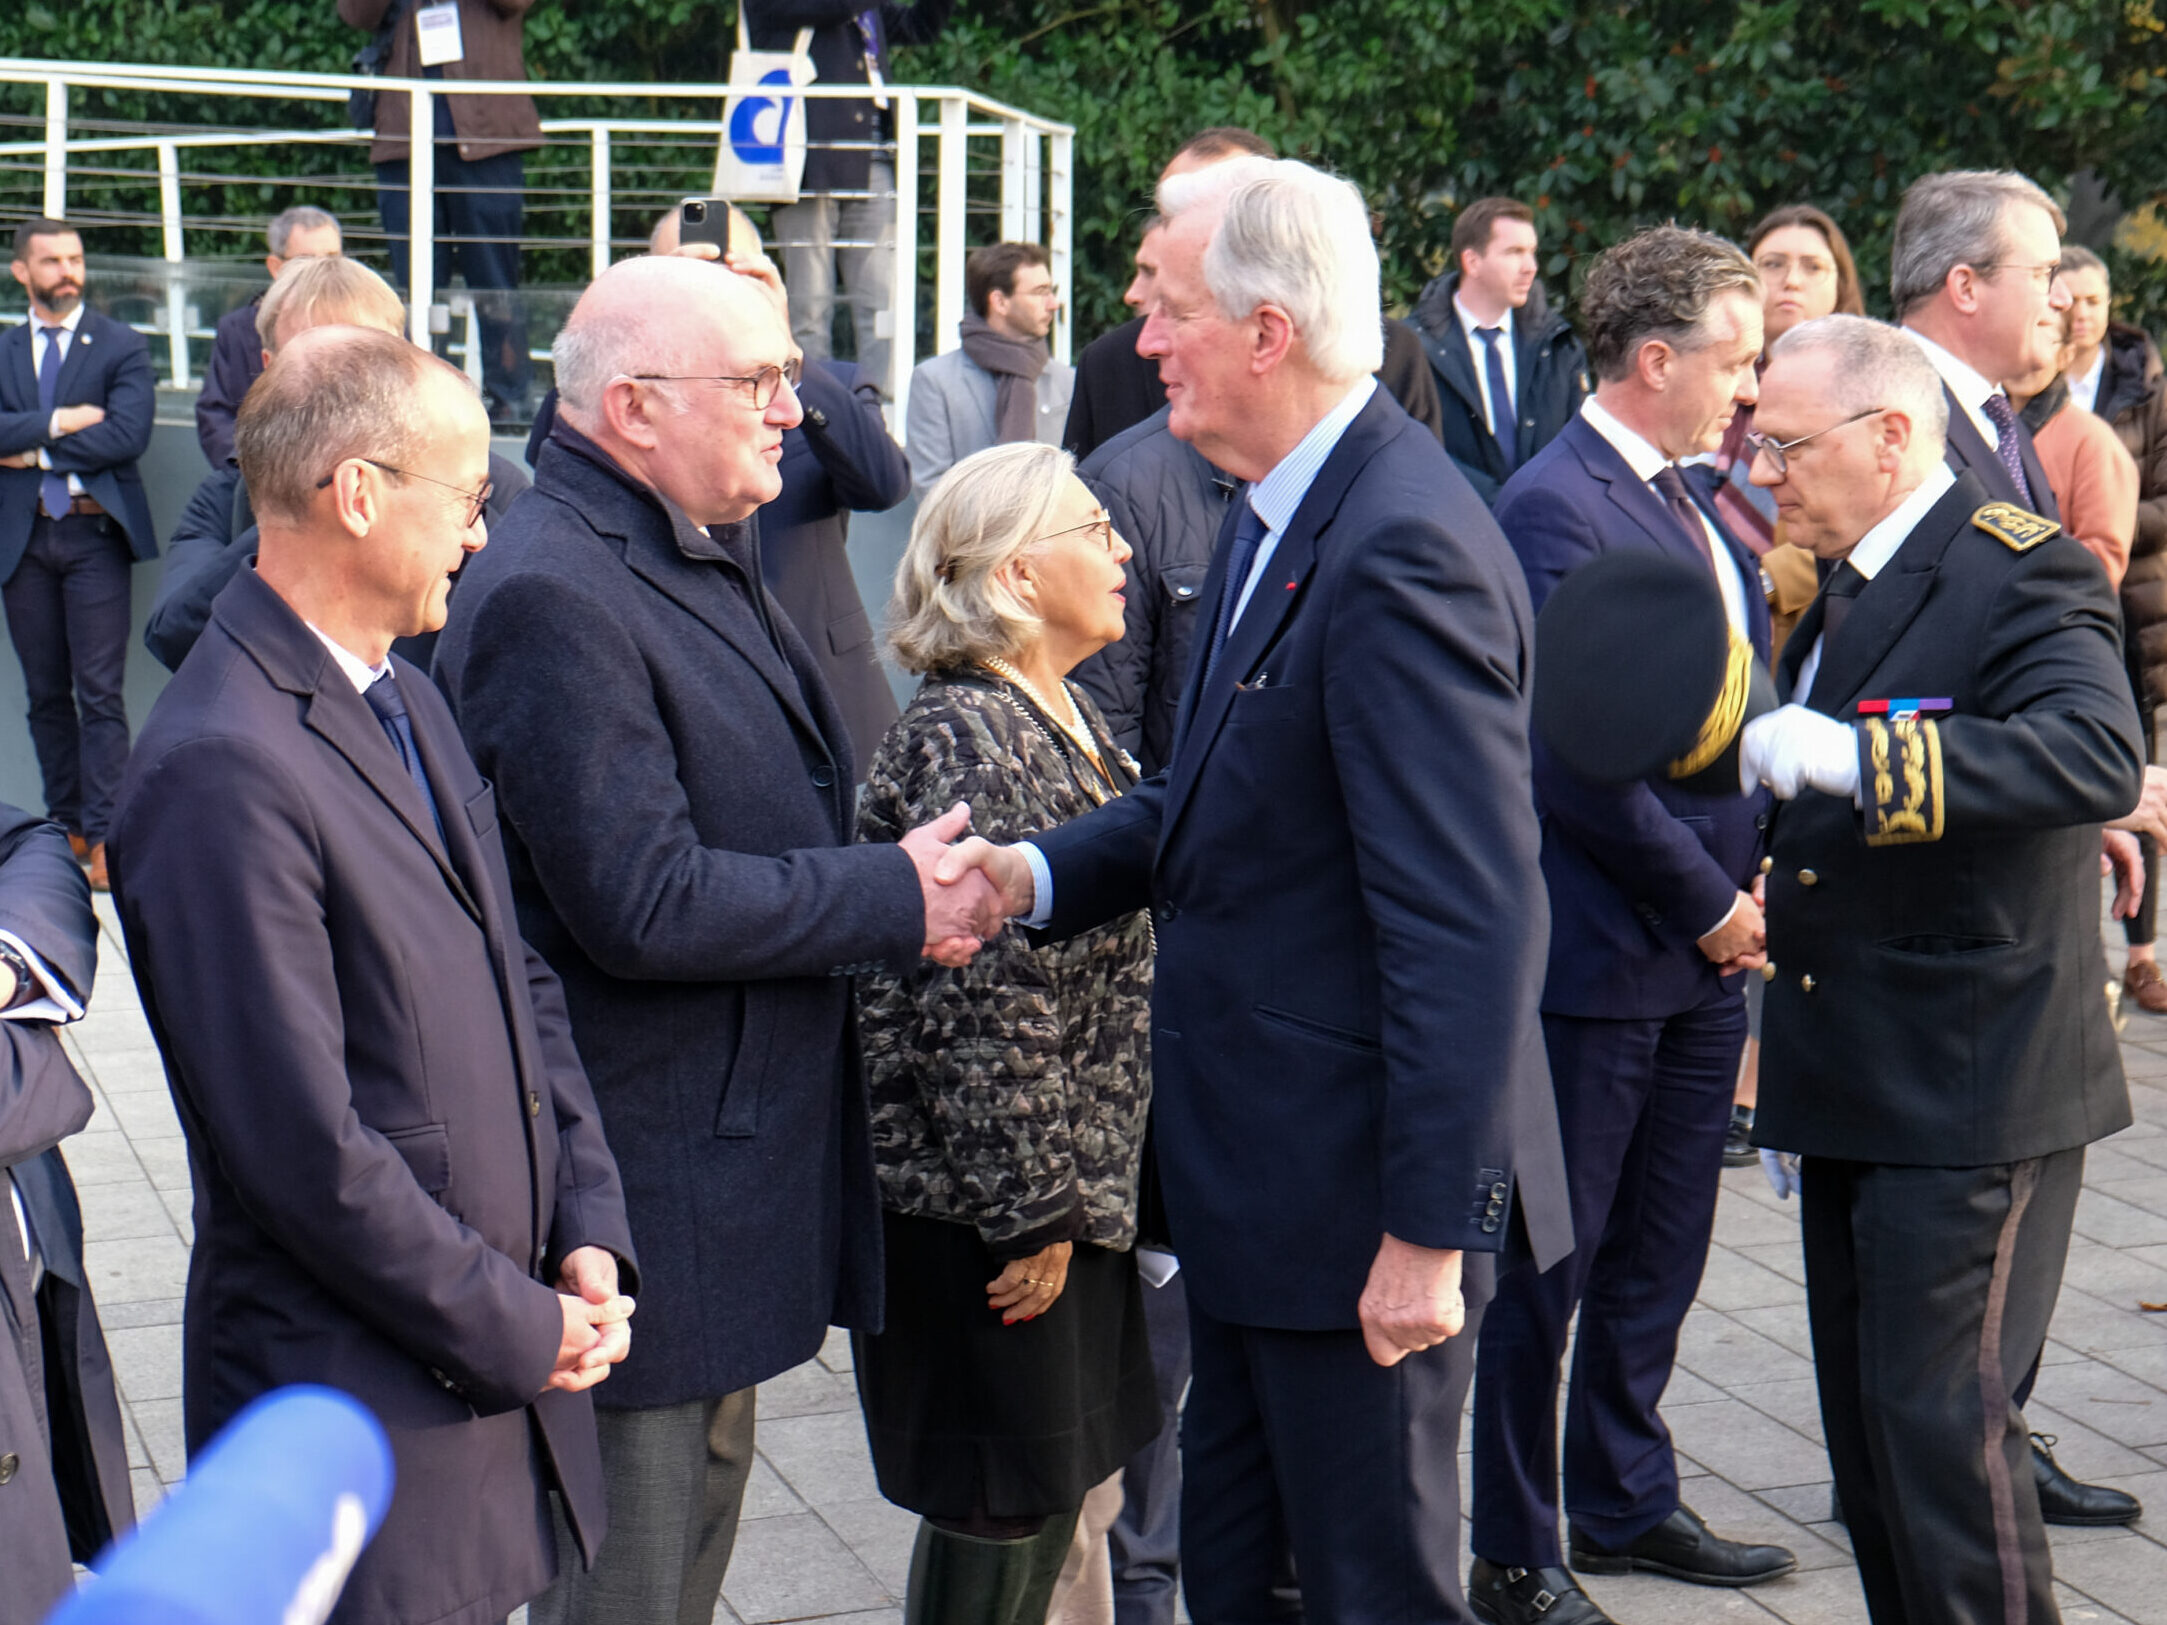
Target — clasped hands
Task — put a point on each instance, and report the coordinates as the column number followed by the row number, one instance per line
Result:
column 597, row 1320
column 971, row 886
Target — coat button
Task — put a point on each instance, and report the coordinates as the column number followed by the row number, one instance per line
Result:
column 1805, row 983
column 1768, row 865
column 8, row 1464
column 534, row 1104
column 1768, row 971
column 1168, row 913
column 1806, row 877
column 1499, row 1191
column 824, row 776
column 1489, row 1225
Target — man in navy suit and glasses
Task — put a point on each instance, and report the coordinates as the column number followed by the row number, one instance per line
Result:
column 1643, row 1009
column 76, row 400
column 1352, row 1111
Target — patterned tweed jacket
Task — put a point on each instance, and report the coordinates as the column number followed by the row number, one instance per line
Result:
column 1011, row 1094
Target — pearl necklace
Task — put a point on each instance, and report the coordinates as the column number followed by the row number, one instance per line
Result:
column 1072, row 725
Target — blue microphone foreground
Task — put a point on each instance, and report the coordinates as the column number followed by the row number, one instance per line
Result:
column 263, row 1532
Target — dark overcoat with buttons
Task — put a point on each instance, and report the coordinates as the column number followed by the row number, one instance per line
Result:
column 1936, row 999
column 390, row 1139
column 839, row 132
column 1342, row 857
column 64, row 1488
column 677, row 786
column 1637, row 873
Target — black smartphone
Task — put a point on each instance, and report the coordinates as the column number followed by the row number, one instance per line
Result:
column 705, row 220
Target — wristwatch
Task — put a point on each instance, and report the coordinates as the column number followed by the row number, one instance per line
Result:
column 28, row 989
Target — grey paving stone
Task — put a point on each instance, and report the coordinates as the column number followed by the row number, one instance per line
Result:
column 1649, row 1599
column 2097, row 1326
column 144, row 1312
column 1735, row 1515
column 1784, row 1323
column 807, row 1390
column 2110, row 1402
column 797, row 1568
column 1733, row 1281
column 146, row 1361
column 2083, row 1451
column 122, row 1211
column 138, row 1267
column 1718, row 1348
column 146, row 1115
column 1747, row 1213
column 1784, row 1257
column 146, row 1489
column 2117, row 1274
column 1684, row 1389
column 1796, row 1404
column 2106, row 1163
column 835, row 1352
column 1736, row 1442
column 2127, row 1575
column 2134, row 1216
column 822, row 1457
column 159, row 1421
column 2078, row 1609
column 766, row 1495
column 101, row 1159
column 1828, row 1596
column 167, row 1163
column 138, row 1072
column 881, row 1534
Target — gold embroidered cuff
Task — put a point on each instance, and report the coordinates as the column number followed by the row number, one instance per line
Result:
column 1900, row 780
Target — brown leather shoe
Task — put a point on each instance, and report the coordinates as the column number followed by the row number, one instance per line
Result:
column 79, row 846
column 2144, row 982
column 98, row 878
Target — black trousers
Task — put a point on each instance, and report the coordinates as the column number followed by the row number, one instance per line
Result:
column 1298, row 1438
column 1929, row 1292
column 1145, row 1541
column 479, row 208
column 67, row 612
column 1643, row 1107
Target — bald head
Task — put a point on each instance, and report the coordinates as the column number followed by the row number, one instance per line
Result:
column 656, row 315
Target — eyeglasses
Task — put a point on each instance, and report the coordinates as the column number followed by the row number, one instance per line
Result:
column 475, row 500
column 1101, row 529
column 764, row 385
column 1776, row 267
column 2043, row 275
column 1778, row 451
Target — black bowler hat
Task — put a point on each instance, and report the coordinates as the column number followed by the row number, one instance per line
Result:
column 1638, row 675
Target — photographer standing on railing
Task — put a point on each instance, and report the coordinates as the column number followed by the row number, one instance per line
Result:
column 480, row 170
column 844, row 220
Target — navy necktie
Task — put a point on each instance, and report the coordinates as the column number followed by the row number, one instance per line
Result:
column 2005, row 447
column 1845, row 583
column 53, row 488
column 1502, row 418
column 390, row 707
column 1670, row 486
column 1241, row 555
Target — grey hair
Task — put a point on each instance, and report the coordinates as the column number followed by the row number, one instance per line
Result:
column 301, row 217
column 1873, row 366
column 1658, row 284
column 1958, row 217
column 1296, row 237
column 349, row 394
column 325, row 293
column 950, row 609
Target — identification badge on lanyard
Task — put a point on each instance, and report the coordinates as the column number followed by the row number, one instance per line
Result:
column 439, row 33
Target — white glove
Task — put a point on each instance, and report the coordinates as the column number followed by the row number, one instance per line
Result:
column 1795, row 748
column 1781, row 1167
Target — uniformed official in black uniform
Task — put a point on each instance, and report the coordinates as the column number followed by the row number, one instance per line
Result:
column 1938, row 1046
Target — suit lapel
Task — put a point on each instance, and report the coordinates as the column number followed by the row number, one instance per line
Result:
column 1631, row 495
column 1968, row 450
column 81, row 350
column 23, row 367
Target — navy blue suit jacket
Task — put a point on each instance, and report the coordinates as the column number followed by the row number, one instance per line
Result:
column 1970, row 451
column 1637, row 873
column 107, row 365
column 392, row 1143
column 1342, row 854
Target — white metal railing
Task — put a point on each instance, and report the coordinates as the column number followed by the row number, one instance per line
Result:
column 1035, row 163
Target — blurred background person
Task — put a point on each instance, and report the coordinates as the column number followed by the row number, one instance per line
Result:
column 2092, row 475
column 2114, row 371
column 1001, row 385
column 299, row 233
column 844, row 220
column 1806, row 271
column 1510, row 366
column 1014, row 1374
column 481, row 178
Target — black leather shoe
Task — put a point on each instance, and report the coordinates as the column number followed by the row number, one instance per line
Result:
column 2065, row 1500
column 1504, row 1596
column 1738, row 1149
column 1682, row 1547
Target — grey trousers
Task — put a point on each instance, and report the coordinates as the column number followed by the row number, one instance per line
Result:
column 675, row 1480
column 822, row 233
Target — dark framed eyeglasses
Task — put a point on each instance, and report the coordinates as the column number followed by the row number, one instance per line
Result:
column 1101, row 530
column 762, row 386
column 2043, row 275
column 1778, row 451
column 476, row 501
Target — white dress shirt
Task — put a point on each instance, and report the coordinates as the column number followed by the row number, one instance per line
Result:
column 1967, row 383
column 1276, row 498
column 1646, row 462
column 1874, row 550
column 39, row 340
column 358, row 671
column 2084, row 390
column 1468, row 324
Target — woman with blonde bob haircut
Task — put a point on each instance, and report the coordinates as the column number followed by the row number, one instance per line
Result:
column 1014, row 1376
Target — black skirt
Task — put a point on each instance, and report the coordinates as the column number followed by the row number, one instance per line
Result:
column 968, row 1415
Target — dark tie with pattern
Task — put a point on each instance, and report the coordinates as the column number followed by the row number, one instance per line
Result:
column 2005, row 447
column 1670, row 486
column 1844, row 586
column 53, row 488
column 1502, row 414
column 1241, row 555
column 390, row 707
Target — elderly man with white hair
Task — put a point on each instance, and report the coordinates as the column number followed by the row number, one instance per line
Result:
column 1936, row 1046
column 675, row 783
column 1353, row 1113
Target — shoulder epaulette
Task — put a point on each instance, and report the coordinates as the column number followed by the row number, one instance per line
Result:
column 2015, row 528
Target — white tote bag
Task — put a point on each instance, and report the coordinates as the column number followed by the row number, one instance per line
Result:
column 762, row 155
